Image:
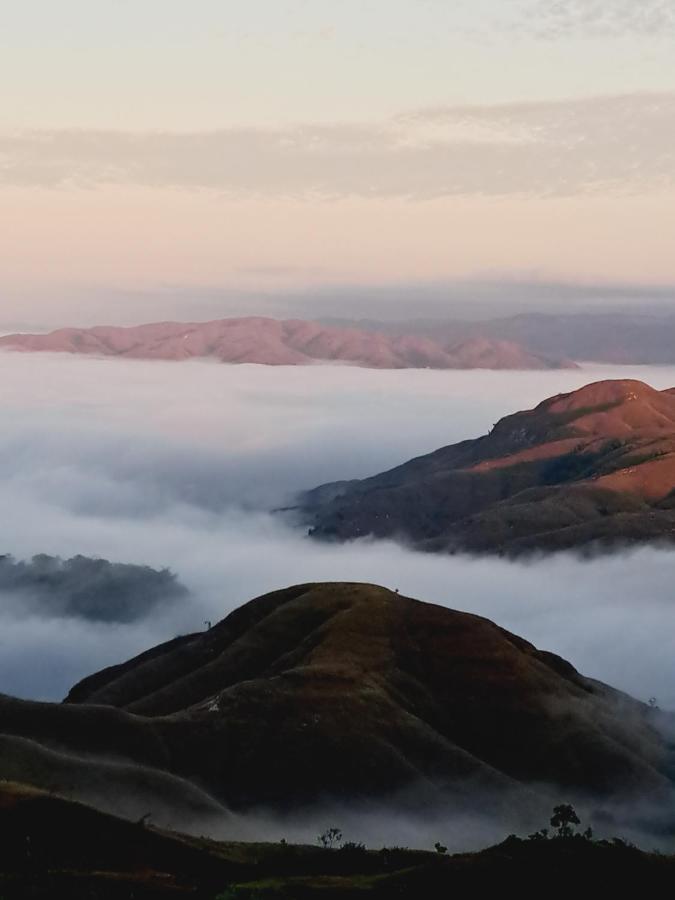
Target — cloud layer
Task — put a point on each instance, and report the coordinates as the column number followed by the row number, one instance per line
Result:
column 602, row 18
column 167, row 465
column 604, row 144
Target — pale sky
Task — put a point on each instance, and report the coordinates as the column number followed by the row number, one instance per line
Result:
column 252, row 147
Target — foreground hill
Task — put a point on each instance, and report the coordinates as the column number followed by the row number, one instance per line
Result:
column 596, row 466
column 327, row 693
column 55, row 848
column 291, row 342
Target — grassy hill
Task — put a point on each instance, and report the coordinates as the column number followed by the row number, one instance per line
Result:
column 594, row 468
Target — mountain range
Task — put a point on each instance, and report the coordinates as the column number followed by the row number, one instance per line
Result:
column 524, row 341
column 591, row 468
column 337, row 693
column 286, row 342
column 616, row 337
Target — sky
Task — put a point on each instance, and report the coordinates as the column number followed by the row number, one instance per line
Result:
column 162, row 159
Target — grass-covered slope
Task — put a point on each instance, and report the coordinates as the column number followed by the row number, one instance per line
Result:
column 331, row 693
column 352, row 690
column 53, row 848
column 594, row 467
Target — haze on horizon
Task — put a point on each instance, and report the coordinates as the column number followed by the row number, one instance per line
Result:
column 391, row 158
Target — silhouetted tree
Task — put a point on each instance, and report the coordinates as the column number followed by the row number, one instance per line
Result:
column 564, row 819
column 330, row 838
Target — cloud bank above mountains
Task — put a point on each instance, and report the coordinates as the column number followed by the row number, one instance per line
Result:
column 309, row 146
column 576, row 190
column 164, row 465
column 557, row 148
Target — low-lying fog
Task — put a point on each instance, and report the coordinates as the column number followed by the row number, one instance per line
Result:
column 176, row 464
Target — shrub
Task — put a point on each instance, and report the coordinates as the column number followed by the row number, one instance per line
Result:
column 353, row 847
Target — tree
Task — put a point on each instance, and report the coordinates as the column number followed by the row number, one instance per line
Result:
column 440, row 849
column 330, row 838
column 565, row 819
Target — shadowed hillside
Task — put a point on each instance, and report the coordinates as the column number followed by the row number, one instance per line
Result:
column 54, row 848
column 333, row 693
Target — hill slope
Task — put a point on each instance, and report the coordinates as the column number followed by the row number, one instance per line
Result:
column 55, row 848
column 340, row 691
column 596, row 465
column 290, row 342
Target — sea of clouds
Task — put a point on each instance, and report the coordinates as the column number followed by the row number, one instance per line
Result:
column 179, row 464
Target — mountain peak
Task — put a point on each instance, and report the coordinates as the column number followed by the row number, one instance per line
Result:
column 615, row 408
column 602, row 393
column 596, row 465
column 387, row 691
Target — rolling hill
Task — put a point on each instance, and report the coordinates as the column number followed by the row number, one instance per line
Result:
column 592, row 468
column 337, row 693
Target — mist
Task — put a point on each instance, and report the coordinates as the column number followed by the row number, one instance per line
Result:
column 478, row 821
column 81, row 587
column 166, row 465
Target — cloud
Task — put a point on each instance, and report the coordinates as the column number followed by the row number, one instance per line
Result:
column 175, row 465
column 603, row 144
column 601, row 18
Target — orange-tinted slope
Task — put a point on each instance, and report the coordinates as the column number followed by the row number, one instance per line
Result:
column 593, row 466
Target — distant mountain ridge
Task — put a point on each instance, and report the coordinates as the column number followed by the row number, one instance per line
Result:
column 285, row 342
column 525, row 340
column 617, row 338
column 595, row 466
